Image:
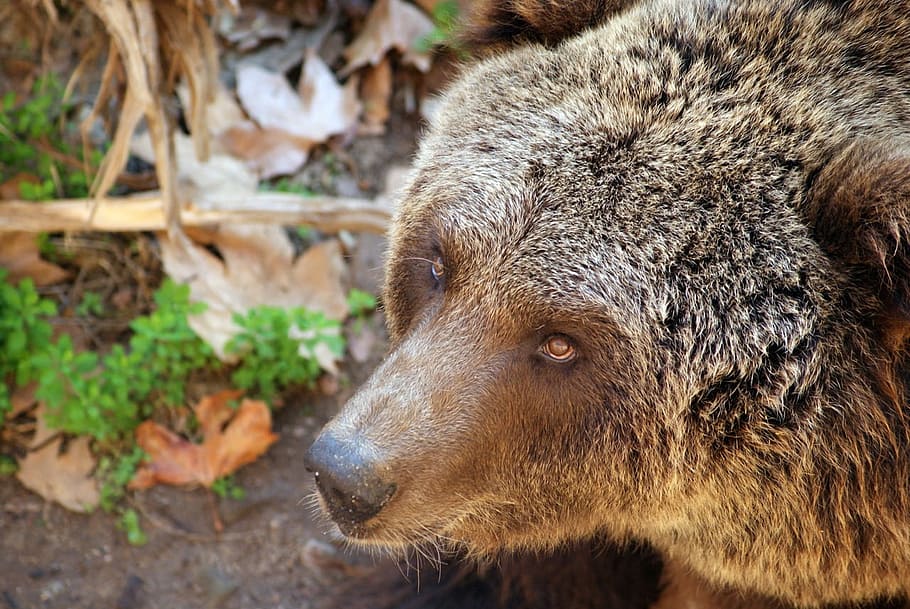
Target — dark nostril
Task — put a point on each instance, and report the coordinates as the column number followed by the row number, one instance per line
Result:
column 347, row 479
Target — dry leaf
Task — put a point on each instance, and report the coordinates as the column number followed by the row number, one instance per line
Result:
column 221, row 112
column 43, row 432
column 375, row 93
column 391, row 24
column 256, row 267
column 22, row 399
column 320, row 109
column 253, row 25
column 360, row 343
column 19, row 255
column 267, row 152
column 231, row 439
column 220, row 177
column 62, row 477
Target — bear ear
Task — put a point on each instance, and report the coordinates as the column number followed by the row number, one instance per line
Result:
column 860, row 202
column 498, row 24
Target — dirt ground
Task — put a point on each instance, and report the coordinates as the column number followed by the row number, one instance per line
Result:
column 274, row 553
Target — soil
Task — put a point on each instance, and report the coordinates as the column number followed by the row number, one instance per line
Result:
column 274, row 551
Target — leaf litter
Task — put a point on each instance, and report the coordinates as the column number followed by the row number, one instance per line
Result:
column 231, row 437
column 256, row 266
column 58, row 474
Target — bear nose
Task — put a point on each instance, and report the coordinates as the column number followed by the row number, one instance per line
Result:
column 348, row 481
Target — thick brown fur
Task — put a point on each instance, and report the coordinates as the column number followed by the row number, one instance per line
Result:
column 711, row 201
column 497, row 24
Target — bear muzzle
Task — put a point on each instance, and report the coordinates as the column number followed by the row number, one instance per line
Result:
column 348, row 482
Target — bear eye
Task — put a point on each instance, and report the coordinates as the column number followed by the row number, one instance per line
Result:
column 437, row 269
column 559, row 348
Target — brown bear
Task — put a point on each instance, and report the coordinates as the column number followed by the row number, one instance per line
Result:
column 650, row 282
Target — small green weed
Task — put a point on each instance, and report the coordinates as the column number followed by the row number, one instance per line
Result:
column 114, row 473
column 8, row 466
column 228, row 488
column 360, row 303
column 288, row 186
column 34, row 141
column 107, row 397
column 23, row 332
column 91, row 304
column 445, row 22
column 129, row 523
column 279, row 347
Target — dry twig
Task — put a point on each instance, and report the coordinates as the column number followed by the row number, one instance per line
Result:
column 146, row 212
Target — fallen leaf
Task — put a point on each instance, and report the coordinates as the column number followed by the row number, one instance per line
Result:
column 267, row 152
column 391, row 24
column 22, row 399
column 256, row 267
column 253, row 25
column 319, row 109
column 43, row 432
column 221, row 112
column 375, row 93
column 322, row 353
column 220, row 178
column 231, row 438
column 20, row 256
column 360, row 343
column 62, row 477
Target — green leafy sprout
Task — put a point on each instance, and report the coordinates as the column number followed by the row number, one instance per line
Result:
column 35, row 136
column 445, row 25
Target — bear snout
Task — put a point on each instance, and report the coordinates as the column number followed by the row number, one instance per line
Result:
column 348, row 481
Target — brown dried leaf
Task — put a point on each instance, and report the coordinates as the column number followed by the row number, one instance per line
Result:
column 231, row 439
column 19, row 255
column 391, row 24
column 43, row 432
column 255, row 24
column 62, row 477
column 361, row 342
column 173, row 460
column 256, row 267
column 268, row 152
column 221, row 112
column 21, row 400
column 219, row 178
column 376, row 92
column 319, row 109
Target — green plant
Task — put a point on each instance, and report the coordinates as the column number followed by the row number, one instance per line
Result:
column 113, row 474
column 8, row 466
column 445, row 25
column 129, row 523
column 35, row 143
column 227, row 487
column 360, row 303
column 24, row 330
column 288, row 186
column 279, row 347
column 91, row 304
column 107, row 397
column 165, row 344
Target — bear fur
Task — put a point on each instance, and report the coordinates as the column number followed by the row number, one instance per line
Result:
column 708, row 201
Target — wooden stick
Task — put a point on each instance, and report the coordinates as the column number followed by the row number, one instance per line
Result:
column 146, row 212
